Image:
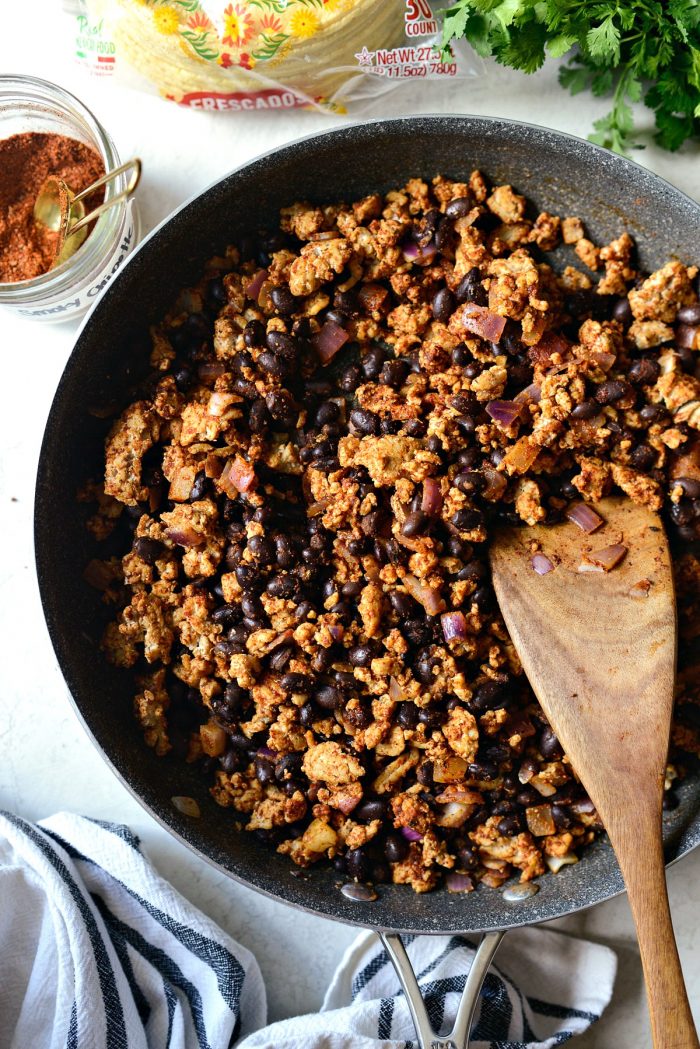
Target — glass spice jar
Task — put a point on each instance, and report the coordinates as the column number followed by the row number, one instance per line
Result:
column 28, row 104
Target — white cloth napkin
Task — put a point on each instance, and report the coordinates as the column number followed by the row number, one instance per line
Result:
column 97, row 951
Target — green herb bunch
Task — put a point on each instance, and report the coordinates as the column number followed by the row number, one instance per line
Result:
column 630, row 49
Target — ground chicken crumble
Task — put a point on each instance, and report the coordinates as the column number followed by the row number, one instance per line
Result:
column 337, row 416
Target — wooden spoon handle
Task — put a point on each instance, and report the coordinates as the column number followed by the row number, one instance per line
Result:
column 640, row 855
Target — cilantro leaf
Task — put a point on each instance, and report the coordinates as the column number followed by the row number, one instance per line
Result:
column 618, row 45
column 604, row 42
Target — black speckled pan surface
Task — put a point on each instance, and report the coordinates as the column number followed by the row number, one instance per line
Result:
column 560, row 174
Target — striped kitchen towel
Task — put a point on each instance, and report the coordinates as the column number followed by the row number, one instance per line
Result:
column 99, row 952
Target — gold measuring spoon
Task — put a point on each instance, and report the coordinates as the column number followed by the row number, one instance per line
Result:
column 61, row 210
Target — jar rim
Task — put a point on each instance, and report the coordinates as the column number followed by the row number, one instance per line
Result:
column 16, row 90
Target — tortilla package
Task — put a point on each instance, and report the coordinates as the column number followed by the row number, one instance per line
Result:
column 254, row 55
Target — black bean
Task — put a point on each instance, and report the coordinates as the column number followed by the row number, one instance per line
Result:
column 361, row 656
column 370, row 809
column 431, row 718
column 307, row 715
column 510, row 825
column 328, row 697
column 424, row 773
column 394, row 373
column 284, row 586
column 327, row 413
column 350, row 378
column 469, row 481
column 644, row 371
column 461, row 356
column 470, row 288
column 280, row 406
column 149, row 550
column 690, row 486
column 273, row 365
column 247, row 576
column 357, row 864
column 561, row 816
column 466, row 520
column 280, row 657
column 407, row 715
column 246, row 389
column 443, row 305
column 434, row 444
column 416, row 523
column 689, row 314
column 414, row 428
column 264, row 770
column 254, row 334
column 611, row 391
column 283, row 345
column 395, row 848
column 232, row 761
column 468, row 858
column 458, row 208
column 372, row 362
column 482, row 770
column 239, row 741
column 622, row 311
column 403, row 604
column 226, row 615
column 365, row 422
column 585, row 410
column 651, row 413
column 261, row 549
column 467, row 424
column 183, row 378
column 643, row 458
column 283, row 300
column 549, row 746
column 490, row 695
column 359, row 716
column 417, row 631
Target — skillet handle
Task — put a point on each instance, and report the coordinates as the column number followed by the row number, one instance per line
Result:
column 458, row 1038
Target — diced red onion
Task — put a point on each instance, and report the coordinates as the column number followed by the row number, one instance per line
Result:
column 504, row 413
column 282, row 639
column 314, row 509
column 413, row 252
column 184, row 535
column 541, row 564
column 265, row 752
column 336, row 630
column 348, row 802
column 431, row 503
column 395, row 691
column 459, row 882
column 481, row 321
column 496, row 484
column 252, row 289
column 371, row 296
column 410, row 834
column 531, row 394
column 687, row 337
column 430, row 599
column 237, row 476
column 454, row 626
column 604, row 361
column 329, row 340
column 609, row 557
column 585, row 517
column 552, row 342
column 210, row 370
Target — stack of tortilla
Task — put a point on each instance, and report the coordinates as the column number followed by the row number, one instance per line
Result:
column 211, row 48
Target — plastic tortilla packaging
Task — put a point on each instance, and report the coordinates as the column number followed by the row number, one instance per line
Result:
column 256, row 55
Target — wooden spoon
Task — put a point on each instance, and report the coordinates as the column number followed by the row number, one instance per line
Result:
column 599, row 649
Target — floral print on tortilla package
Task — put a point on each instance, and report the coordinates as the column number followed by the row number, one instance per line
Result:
column 242, row 55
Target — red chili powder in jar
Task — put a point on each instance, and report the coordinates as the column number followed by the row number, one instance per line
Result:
column 27, row 248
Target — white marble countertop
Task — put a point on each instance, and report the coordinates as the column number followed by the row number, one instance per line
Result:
column 46, row 761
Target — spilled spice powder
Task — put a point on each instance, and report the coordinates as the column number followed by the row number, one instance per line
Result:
column 27, row 249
